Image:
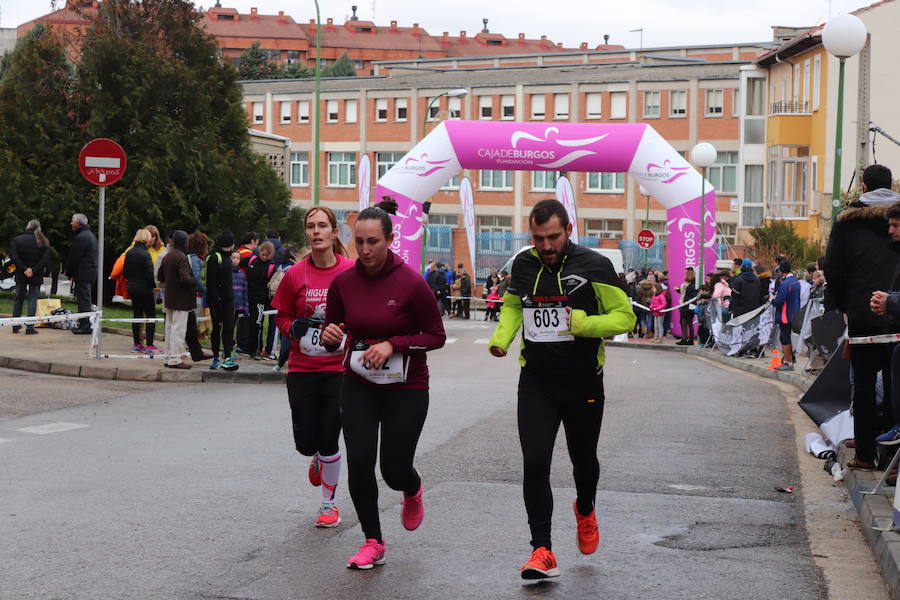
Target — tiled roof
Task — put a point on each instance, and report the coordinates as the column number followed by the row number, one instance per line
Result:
column 252, row 26
column 63, row 15
column 381, row 38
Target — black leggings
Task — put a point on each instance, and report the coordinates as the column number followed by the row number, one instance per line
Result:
column 544, row 402
column 222, row 317
column 401, row 415
column 687, row 325
column 143, row 306
column 314, row 411
column 867, row 360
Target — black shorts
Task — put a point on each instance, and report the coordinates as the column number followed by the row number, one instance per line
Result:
column 784, row 335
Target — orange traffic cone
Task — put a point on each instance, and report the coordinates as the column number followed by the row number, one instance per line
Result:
column 776, row 359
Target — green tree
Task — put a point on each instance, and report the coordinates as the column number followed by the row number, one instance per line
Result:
column 255, row 64
column 294, row 70
column 779, row 238
column 342, row 67
column 39, row 141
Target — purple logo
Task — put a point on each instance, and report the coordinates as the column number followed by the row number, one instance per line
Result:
column 664, row 172
column 422, row 166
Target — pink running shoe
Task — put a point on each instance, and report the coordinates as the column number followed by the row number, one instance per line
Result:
column 329, row 516
column 315, row 475
column 370, row 554
column 151, row 349
column 413, row 510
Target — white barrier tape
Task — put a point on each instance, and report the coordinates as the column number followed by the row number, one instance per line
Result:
column 887, row 338
column 46, row 319
column 157, row 320
column 647, row 308
column 499, row 301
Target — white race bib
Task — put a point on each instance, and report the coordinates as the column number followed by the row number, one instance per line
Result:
column 311, row 344
column 392, row 371
column 546, row 324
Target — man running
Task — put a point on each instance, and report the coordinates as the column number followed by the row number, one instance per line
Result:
column 567, row 299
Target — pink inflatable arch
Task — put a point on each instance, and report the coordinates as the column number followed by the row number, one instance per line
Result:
column 635, row 148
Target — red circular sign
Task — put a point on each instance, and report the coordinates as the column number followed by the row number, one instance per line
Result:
column 102, row 161
column 646, row 238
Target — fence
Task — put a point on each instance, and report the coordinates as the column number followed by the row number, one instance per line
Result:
column 439, row 244
column 633, row 255
column 493, row 249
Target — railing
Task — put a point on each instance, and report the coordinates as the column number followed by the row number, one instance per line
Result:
column 439, row 245
column 789, row 108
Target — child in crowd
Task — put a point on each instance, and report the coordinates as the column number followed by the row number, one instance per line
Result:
column 239, row 289
column 291, row 256
column 657, row 304
column 259, row 271
column 493, row 307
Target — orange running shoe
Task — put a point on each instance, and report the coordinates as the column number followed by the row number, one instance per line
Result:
column 329, row 516
column 541, row 565
column 315, row 476
column 588, row 537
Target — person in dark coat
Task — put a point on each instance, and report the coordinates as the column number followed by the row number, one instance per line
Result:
column 221, row 301
column 274, row 237
column 81, row 268
column 465, row 290
column 177, row 278
column 30, row 253
column 861, row 259
column 688, row 290
column 745, row 290
column 138, row 272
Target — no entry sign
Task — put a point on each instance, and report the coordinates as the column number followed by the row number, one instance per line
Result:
column 102, row 161
column 646, row 239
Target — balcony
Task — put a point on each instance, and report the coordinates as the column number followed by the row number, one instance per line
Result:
column 789, row 108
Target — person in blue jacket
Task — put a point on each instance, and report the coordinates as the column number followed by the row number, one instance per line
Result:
column 786, row 303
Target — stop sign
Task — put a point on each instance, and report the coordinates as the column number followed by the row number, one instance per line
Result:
column 102, row 161
column 646, row 238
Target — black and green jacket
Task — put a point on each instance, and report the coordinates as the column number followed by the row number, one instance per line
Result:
column 586, row 282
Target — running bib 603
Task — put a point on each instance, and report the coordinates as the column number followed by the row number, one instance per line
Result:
column 311, row 344
column 546, row 324
column 392, row 371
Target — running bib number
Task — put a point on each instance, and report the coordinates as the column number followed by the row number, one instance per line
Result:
column 311, row 344
column 392, row 371
column 546, row 324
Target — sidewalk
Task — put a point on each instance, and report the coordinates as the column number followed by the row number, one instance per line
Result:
column 60, row 352
column 874, row 511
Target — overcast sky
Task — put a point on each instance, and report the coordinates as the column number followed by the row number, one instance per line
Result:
column 665, row 22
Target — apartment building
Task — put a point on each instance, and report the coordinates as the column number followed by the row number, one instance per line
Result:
column 687, row 101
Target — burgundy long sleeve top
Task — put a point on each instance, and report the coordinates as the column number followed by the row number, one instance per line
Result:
column 395, row 305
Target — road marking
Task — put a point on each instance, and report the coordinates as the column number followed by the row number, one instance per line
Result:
column 689, row 488
column 482, row 340
column 450, row 340
column 52, row 428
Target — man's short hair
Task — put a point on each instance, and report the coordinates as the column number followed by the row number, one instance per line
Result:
column 80, row 219
column 876, row 177
column 893, row 211
column 272, row 233
column 250, row 236
column 738, row 261
column 545, row 209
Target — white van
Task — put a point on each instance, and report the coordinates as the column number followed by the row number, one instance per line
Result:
column 614, row 256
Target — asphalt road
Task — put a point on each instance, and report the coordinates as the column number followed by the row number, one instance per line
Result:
column 195, row 492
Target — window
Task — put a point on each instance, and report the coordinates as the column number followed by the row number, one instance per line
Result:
column 400, row 110
column 752, row 211
column 538, row 109
column 795, row 84
column 285, row 112
column 659, row 230
column 560, row 106
column 678, row 103
column 385, row 160
column 715, row 103
column 723, row 174
column 303, row 111
column 496, row 180
column 593, row 104
column 445, row 220
column 453, row 184
column 299, row 169
column 817, row 81
column 331, row 111
column 507, row 107
column 606, row 182
column 257, row 112
column 806, row 91
column 726, row 233
column 293, row 56
column 381, row 109
column 341, row 169
column 651, row 105
column 494, row 224
column 618, row 103
column 544, row 181
column 735, row 102
column 604, row 229
column 350, row 111
column 788, row 181
column 756, row 96
column 485, row 107
column 454, row 107
column 434, row 108
column 359, row 65
column 274, row 55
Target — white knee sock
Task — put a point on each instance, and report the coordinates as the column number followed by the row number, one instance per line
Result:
column 330, row 469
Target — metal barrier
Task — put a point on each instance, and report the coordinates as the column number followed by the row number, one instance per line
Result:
column 439, row 244
column 493, row 249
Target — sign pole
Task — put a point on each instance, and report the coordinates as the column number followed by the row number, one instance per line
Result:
column 99, row 298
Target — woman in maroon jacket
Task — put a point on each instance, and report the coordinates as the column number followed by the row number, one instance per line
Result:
column 392, row 319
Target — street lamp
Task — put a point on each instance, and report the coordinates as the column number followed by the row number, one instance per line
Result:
column 643, row 191
column 703, row 155
column 843, row 36
column 315, row 193
column 456, row 93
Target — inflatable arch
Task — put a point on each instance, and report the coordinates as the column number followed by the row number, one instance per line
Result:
column 635, row 148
